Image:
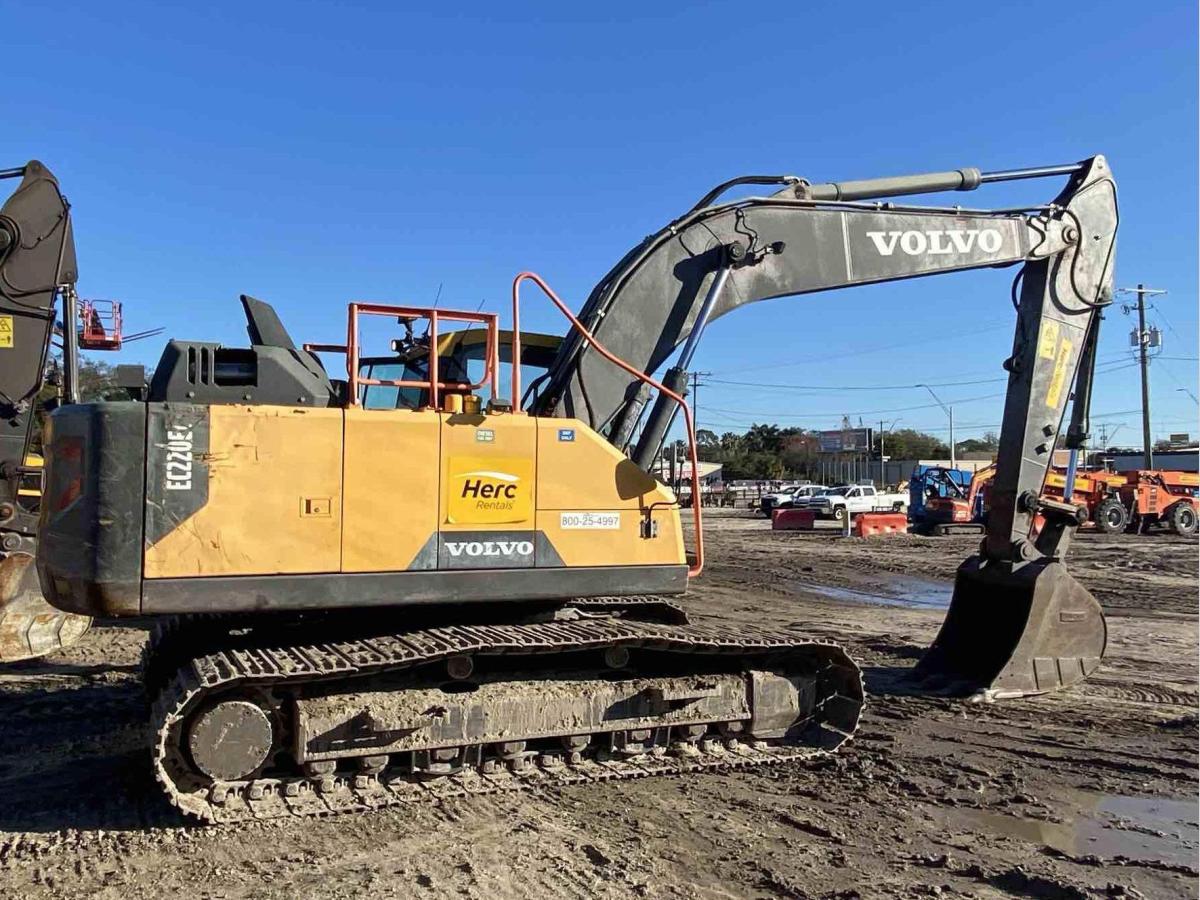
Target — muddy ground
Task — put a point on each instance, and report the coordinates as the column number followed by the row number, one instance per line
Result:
column 1091, row 793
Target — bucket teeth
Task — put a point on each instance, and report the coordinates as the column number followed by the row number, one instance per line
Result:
column 1014, row 630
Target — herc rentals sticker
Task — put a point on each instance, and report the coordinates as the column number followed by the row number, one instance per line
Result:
column 489, row 490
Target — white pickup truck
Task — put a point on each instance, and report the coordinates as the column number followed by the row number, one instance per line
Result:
column 833, row 503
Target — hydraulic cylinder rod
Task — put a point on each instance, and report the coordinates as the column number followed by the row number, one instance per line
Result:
column 966, row 179
column 663, row 412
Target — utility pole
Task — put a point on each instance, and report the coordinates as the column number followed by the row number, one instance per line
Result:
column 1107, row 436
column 881, row 454
column 1143, row 342
column 696, row 376
column 883, row 465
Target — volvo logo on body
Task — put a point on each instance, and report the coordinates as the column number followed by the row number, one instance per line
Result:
column 937, row 243
column 489, row 548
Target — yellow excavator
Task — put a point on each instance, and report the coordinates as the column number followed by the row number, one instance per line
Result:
column 449, row 570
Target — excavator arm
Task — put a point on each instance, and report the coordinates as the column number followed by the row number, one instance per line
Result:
column 1044, row 630
column 37, row 265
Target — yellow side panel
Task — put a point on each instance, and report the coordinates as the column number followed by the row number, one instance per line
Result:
column 274, row 497
column 591, row 500
column 390, row 505
column 488, row 466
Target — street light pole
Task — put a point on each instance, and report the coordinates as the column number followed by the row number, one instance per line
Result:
column 883, row 431
column 948, row 410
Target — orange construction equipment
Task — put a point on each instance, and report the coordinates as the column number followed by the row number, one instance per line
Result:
column 1153, row 497
column 868, row 524
column 961, row 515
column 1098, row 491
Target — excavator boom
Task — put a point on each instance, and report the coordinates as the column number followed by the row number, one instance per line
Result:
column 807, row 238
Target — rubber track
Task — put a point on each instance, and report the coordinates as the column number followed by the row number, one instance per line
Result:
column 345, row 792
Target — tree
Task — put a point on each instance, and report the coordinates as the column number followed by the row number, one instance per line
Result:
column 708, row 445
column 908, row 443
column 97, row 381
column 989, row 443
column 764, row 439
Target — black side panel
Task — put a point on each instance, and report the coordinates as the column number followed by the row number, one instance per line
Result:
column 270, row 372
column 89, row 554
column 203, row 372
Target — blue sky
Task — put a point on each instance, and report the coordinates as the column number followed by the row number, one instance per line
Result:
column 310, row 153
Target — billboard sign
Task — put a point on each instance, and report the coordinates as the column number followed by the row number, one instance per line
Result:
column 845, row 440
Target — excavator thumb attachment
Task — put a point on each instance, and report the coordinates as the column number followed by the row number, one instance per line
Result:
column 29, row 626
column 1014, row 630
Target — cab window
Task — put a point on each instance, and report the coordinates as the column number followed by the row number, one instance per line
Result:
column 386, row 396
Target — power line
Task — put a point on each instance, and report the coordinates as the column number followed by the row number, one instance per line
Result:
column 1113, row 363
column 889, row 409
column 844, row 353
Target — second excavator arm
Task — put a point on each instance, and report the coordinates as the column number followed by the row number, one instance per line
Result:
column 37, row 266
column 1045, row 631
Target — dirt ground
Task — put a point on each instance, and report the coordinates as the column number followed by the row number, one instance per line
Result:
column 1090, row 793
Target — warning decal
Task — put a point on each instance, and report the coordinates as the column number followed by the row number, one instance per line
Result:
column 6, row 331
column 1061, row 363
column 1048, row 339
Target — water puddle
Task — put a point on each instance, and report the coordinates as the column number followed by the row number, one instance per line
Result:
column 1148, row 829
column 904, row 591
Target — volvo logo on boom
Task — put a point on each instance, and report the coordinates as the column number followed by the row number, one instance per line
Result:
column 937, row 243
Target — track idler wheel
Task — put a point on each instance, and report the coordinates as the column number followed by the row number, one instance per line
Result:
column 1014, row 630
column 231, row 740
column 29, row 626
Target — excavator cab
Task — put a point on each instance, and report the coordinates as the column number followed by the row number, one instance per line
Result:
column 461, row 357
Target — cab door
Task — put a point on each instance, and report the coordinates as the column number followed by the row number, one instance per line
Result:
column 488, row 492
column 390, row 489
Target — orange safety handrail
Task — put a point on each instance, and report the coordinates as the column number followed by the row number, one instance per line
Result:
column 697, row 567
column 432, row 383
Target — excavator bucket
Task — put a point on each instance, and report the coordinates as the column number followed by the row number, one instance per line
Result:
column 29, row 626
column 1015, row 630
